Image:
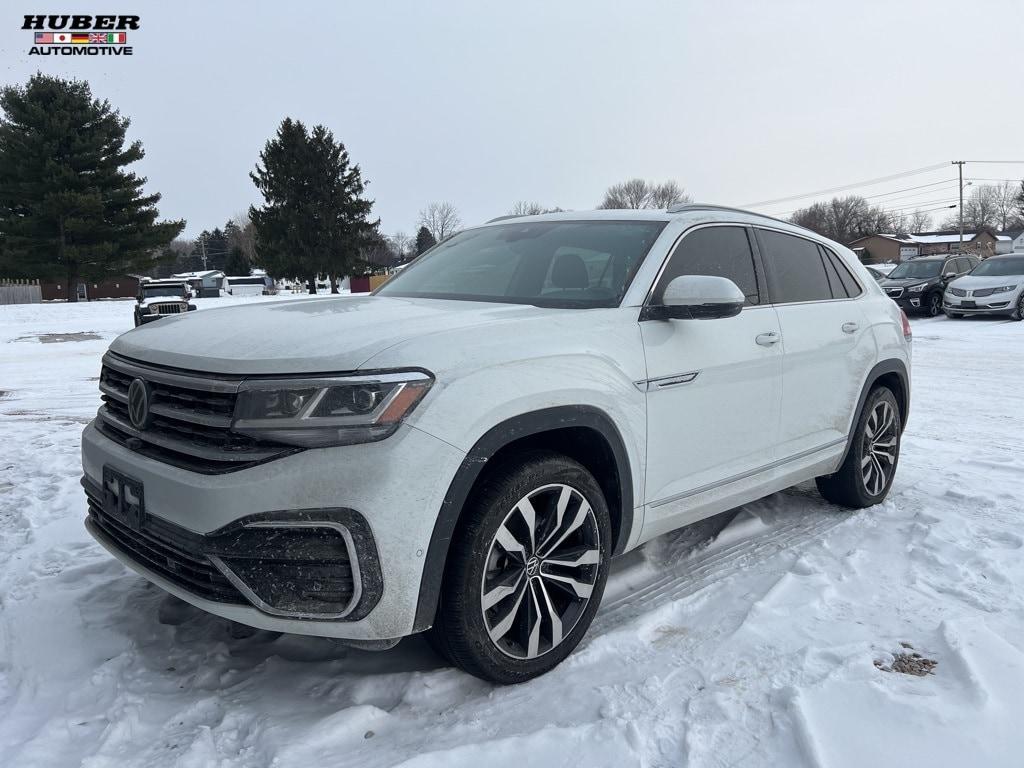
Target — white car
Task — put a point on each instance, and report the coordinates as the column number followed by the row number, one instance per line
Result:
column 994, row 287
column 465, row 450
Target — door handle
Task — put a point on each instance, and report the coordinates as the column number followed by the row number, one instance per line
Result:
column 768, row 339
column 850, row 327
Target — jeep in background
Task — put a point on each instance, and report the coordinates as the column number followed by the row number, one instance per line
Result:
column 464, row 451
column 160, row 298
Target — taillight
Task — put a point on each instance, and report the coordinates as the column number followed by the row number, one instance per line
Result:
column 907, row 333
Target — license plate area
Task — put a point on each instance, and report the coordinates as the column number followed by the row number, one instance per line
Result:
column 123, row 498
column 968, row 304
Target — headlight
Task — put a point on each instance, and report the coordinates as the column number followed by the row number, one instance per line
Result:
column 317, row 412
column 1004, row 288
column 916, row 288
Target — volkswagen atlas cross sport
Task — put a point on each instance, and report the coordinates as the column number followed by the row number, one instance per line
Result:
column 465, row 450
column 994, row 287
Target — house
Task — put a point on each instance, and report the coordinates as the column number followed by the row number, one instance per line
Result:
column 875, row 249
column 1016, row 239
column 205, row 284
column 121, row 287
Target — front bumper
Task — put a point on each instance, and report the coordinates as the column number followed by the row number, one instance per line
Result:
column 397, row 486
column 997, row 304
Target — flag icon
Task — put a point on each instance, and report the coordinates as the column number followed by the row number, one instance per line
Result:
column 44, row 38
column 61, row 37
column 106, row 38
column 80, row 39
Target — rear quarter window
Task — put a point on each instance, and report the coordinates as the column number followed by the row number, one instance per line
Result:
column 795, row 268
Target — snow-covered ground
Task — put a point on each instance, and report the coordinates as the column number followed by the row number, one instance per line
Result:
column 762, row 637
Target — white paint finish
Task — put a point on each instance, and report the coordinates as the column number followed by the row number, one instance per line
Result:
column 724, row 422
column 397, row 485
column 823, row 371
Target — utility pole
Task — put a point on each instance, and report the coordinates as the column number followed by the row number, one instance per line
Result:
column 202, row 240
column 960, row 166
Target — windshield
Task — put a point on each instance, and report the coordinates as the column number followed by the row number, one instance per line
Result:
column 999, row 267
column 910, row 269
column 150, row 291
column 547, row 263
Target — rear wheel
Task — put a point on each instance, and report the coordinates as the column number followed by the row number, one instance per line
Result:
column 527, row 571
column 867, row 472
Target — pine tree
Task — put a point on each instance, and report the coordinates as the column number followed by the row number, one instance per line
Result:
column 315, row 218
column 211, row 250
column 69, row 209
column 424, row 240
column 236, row 263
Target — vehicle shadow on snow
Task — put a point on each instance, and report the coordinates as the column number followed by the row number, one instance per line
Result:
column 171, row 635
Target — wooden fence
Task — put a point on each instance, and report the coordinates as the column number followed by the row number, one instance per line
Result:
column 20, row 292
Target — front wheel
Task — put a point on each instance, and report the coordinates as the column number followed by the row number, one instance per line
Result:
column 1018, row 313
column 934, row 306
column 527, row 570
column 867, row 472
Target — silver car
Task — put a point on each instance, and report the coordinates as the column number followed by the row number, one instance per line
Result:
column 994, row 287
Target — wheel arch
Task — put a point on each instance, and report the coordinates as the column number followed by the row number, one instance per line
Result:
column 893, row 374
column 584, row 433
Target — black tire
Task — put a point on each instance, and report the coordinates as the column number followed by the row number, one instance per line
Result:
column 855, row 485
column 137, row 320
column 954, row 315
column 478, row 561
column 1018, row 313
column 934, row 306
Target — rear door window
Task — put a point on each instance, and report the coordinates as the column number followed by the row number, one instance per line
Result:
column 795, row 268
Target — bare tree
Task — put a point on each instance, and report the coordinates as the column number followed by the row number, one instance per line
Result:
column 441, row 219
column 637, row 193
column 526, row 208
column 1005, row 199
column 400, row 243
column 980, row 210
column 919, row 221
column 844, row 218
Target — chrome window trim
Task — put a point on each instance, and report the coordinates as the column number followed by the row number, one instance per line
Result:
column 252, row 597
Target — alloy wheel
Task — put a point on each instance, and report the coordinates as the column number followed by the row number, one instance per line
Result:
column 541, row 569
column 878, row 451
column 934, row 305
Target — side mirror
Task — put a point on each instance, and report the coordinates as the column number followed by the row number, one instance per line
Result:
column 698, row 297
column 949, row 276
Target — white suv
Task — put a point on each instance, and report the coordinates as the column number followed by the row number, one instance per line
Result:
column 465, row 450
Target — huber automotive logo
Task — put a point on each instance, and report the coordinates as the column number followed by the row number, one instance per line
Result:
column 73, row 35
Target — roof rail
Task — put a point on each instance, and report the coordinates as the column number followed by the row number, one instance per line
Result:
column 681, row 207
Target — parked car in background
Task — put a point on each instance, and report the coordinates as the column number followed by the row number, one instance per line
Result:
column 160, row 298
column 466, row 450
column 875, row 273
column 249, row 285
column 917, row 285
column 994, row 287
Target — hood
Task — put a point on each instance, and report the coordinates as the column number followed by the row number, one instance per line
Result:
column 325, row 335
column 904, row 282
column 972, row 282
column 169, row 298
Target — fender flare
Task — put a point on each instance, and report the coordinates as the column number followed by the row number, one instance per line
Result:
column 492, row 441
column 890, row 366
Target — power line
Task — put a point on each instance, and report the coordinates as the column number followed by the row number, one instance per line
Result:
column 893, row 192
column 868, row 183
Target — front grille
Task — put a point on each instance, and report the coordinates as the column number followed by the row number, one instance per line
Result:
column 166, row 309
column 172, row 552
column 191, row 419
column 984, row 292
column 894, row 292
column 958, row 291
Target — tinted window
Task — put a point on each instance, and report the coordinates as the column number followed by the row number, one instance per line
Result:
column 548, row 263
column 795, row 269
column 845, row 276
column 1004, row 265
column 916, row 269
column 714, row 251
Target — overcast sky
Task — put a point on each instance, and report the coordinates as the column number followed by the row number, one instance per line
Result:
column 553, row 101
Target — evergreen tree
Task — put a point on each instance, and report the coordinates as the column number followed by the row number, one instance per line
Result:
column 211, row 250
column 69, row 209
column 236, row 263
column 315, row 218
column 424, row 240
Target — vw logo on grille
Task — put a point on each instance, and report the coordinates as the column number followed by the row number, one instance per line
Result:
column 138, row 403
